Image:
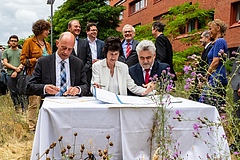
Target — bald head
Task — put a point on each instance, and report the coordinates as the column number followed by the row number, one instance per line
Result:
column 65, row 45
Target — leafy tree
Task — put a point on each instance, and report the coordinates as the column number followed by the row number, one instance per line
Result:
column 107, row 17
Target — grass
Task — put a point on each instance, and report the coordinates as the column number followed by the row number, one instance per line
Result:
column 15, row 140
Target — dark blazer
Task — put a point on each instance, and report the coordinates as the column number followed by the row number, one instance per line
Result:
column 133, row 57
column 203, row 65
column 136, row 72
column 45, row 73
column 164, row 52
column 84, row 53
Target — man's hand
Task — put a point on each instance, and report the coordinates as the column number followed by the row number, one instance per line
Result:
column 150, row 87
column 72, row 91
column 14, row 74
column 51, row 89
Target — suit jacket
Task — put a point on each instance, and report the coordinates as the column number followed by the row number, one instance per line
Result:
column 164, row 52
column 84, row 53
column 133, row 57
column 235, row 80
column 101, row 75
column 136, row 72
column 45, row 73
column 203, row 65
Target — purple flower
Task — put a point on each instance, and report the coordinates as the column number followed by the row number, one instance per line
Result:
column 169, row 87
column 186, row 87
column 186, row 69
column 222, row 117
column 196, row 126
column 177, row 112
column 193, row 74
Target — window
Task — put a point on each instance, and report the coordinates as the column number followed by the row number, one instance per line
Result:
column 137, row 5
column 235, row 12
column 121, row 16
column 159, row 17
column 191, row 25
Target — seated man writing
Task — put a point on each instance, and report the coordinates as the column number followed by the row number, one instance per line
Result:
column 60, row 73
column 147, row 66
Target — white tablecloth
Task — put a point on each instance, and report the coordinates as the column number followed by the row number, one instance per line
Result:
column 129, row 128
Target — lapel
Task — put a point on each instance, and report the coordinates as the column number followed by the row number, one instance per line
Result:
column 105, row 74
column 154, row 70
column 120, row 76
column 139, row 74
column 98, row 50
column 52, row 67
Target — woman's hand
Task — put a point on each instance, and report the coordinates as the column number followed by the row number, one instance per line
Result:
column 14, row 74
column 96, row 85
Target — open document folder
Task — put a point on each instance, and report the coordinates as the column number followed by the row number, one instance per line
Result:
column 109, row 97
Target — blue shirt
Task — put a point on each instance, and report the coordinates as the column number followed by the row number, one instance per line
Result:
column 220, row 72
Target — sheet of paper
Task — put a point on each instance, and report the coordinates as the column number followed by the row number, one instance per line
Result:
column 106, row 96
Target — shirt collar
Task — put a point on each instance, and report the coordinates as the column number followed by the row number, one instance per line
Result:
column 91, row 41
column 126, row 43
column 58, row 59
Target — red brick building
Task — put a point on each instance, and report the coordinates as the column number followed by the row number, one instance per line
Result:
column 141, row 12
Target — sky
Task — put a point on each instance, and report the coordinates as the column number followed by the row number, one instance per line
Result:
column 17, row 16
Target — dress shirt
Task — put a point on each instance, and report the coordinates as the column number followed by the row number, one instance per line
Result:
column 124, row 46
column 93, row 47
column 75, row 45
column 58, row 71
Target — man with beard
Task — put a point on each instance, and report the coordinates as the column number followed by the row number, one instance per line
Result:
column 11, row 59
column 129, row 45
column 147, row 66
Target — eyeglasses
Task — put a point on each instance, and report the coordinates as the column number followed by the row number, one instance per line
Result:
column 13, row 40
column 127, row 31
column 94, row 30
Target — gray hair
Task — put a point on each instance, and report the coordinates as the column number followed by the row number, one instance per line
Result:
column 206, row 33
column 146, row 45
column 133, row 29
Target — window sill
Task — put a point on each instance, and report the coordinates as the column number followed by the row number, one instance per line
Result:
column 237, row 24
column 137, row 11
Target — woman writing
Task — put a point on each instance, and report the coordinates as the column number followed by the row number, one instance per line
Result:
column 112, row 74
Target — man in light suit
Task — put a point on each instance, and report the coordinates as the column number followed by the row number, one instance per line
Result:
column 146, row 51
column 128, row 32
column 164, row 52
column 81, row 47
column 46, row 76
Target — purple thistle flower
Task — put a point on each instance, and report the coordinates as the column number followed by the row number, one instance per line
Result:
column 168, row 68
column 177, row 112
column 186, row 87
column 169, row 87
column 186, row 69
column 196, row 126
column 193, row 74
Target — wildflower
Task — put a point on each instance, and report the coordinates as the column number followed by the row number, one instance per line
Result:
column 236, row 153
column 177, row 112
column 193, row 74
column 169, row 87
column 186, row 69
column 196, row 126
column 186, row 87
column 222, row 117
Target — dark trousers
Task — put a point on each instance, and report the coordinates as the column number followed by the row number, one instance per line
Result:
column 16, row 97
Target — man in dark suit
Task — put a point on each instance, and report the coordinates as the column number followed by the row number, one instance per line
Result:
column 147, row 66
column 96, row 45
column 46, row 78
column 206, row 42
column 163, row 46
column 81, row 47
column 130, row 55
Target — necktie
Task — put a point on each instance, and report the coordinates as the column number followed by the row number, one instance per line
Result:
column 147, row 76
column 63, row 84
column 128, row 50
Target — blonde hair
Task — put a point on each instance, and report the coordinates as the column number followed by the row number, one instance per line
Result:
column 221, row 24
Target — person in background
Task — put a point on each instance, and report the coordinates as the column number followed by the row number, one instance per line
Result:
column 216, row 72
column 147, row 66
column 113, row 74
column 235, row 82
column 96, row 45
column 163, row 46
column 11, row 59
column 61, row 73
column 81, row 48
column 129, row 45
column 206, row 42
column 34, row 48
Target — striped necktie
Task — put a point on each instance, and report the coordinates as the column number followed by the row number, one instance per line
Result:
column 63, row 84
column 128, row 50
